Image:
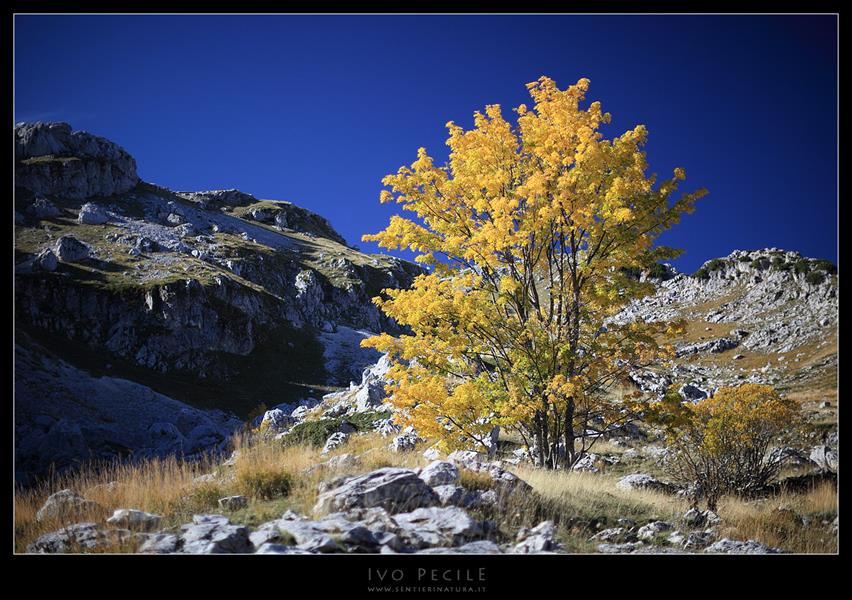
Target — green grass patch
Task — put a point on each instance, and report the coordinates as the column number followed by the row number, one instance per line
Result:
column 315, row 433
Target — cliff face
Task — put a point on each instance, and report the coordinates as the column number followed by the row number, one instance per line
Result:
column 214, row 298
column 51, row 159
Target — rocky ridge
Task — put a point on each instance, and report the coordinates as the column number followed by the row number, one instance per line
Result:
column 770, row 306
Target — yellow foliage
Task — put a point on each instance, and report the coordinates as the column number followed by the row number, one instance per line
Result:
column 722, row 444
column 528, row 228
column 742, row 416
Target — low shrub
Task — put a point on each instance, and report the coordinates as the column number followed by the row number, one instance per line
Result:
column 721, row 444
column 713, row 265
column 802, row 266
column 815, row 277
column 312, row 433
column 263, row 482
column 824, row 265
column 779, row 264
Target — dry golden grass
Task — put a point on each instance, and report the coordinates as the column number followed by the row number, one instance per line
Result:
column 475, row 480
column 697, row 331
column 778, row 521
column 159, row 486
column 596, row 495
column 271, row 461
column 580, row 503
column 374, row 453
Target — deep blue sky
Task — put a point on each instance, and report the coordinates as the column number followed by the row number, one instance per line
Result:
column 316, row 109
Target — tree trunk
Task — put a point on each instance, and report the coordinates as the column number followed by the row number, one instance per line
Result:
column 539, row 438
column 569, row 434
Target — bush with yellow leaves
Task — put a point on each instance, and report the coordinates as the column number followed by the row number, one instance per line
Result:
column 725, row 444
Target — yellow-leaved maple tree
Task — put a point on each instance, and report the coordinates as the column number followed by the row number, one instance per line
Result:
column 530, row 232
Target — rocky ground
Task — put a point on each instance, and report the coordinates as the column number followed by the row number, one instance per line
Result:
column 387, row 510
column 225, row 329
column 338, row 476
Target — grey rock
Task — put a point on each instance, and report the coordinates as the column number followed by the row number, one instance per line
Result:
column 622, row 548
column 440, row 473
column 46, row 260
column 676, row 538
column 185, row 230
column 135, row 519
column 233, row 502
column 101, row 417
column 727, row 546
column 592, row 463
column 692, row 393
column 650, row 531
column 65, row 504
column 212, row 198
column 437, row 526
column 468, row 459
column 260, row 214
column 343, row 461
column 694, row 518
column 276, row 420
column 391, row 488
column 42, row 208
column 280, row 549
column 699, row 539
column 387, row 427
column 637, row 481
column 214, row 534
column 335, row 440
column 714, row 346
column 53, row 160
column 649, row 381
column 538, row 539
column 777, row 308
column 75, row 538
column 611, row 534
column 161, row 543
column 477, row 547
column 334, row 533
column 825, row 457
column 453, row 495
column 405, row 442
column 432, row 454
column 70, row 249
column 92, row 214
column 636, row 548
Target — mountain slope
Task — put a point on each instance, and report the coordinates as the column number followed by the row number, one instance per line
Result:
column 764, row 316
column 213, row 298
